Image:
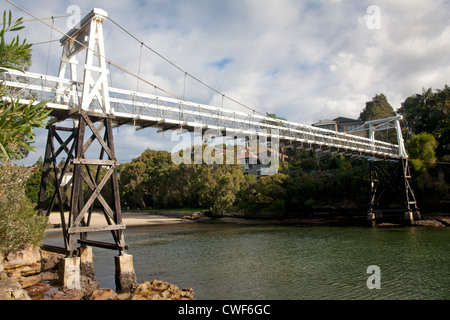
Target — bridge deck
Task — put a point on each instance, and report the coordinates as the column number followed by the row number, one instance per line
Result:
column 153, row 111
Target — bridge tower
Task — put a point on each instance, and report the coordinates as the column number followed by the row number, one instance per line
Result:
column 391, row 191
column 83, row 182
column 390, row 180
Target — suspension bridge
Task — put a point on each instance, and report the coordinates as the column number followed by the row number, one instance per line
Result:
column 95, row 108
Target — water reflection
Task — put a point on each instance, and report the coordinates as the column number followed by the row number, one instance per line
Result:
column 228, row 261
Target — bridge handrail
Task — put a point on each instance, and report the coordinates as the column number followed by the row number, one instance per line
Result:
column 231, row 119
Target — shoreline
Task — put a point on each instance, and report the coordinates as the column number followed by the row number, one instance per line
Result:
column 43, row 284
column 133, row 219
column 129, row 219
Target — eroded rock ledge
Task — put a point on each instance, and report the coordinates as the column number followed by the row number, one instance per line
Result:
column 32, row 274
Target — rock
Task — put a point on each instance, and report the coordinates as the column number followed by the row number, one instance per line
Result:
column 196, row 216
column 103, row 294
column 389, row 225
column 158, row 290
column 50, row 260
column 39, row 290
column 429, row 223
column 23, row 262
column 67, row 294
column 29, row 281
column 27, row 254
column 11, row 290
column 36, row 271
column 444, row 220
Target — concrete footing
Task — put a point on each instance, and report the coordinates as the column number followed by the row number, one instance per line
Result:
column 125, row 275
column 71, row 269
column 87, row 262
column 372, row 217
column 409, row 217
column 69, row 273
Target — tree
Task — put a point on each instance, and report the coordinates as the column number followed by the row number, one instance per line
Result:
column 218, row 186
column 430, row 112
column 378, row 108
column 421, row 150
column 268, row 193
column 19, row 222
column 17, row 120
column 133, row 180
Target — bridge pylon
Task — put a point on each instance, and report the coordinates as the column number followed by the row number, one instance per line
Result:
column 84, row 184
column 391, row 191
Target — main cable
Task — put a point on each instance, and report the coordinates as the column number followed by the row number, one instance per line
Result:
column 120, row 67
column 181, row 69
column 115, row 64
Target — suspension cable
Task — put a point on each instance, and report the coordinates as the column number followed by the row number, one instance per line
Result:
column 49, row 46
column 180, row 69
column 115, row 64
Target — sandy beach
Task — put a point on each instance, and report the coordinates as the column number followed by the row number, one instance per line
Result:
column 130, row 219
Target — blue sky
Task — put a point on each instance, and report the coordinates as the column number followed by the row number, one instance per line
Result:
column 302, row 60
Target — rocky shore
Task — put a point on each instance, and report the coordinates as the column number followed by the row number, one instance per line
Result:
column 32, row 274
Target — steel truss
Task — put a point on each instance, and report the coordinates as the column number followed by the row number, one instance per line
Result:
column 391, row 191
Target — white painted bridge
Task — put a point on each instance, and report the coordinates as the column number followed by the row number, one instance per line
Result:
column 66, row 94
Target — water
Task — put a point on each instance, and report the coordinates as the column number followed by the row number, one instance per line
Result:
column 286, row 262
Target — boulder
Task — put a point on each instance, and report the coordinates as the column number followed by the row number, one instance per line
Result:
column 23, row 262
column 11, row 290
column 429, row 223
column 158, row 290
column 444, row 220
column 50, row 260
column 103, row 294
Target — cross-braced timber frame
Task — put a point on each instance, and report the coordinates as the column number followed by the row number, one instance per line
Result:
column 83, row 192
column 393, row 186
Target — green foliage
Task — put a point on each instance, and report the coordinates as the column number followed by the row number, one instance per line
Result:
column 265, row 194
column 219, row 186
column 17, row 121
column 17, row 124
column 133, row 189
column 378, row 108
column 13, row 55
column 421, row 150
column 430, row 112
column 427, row 116
column 19, row 222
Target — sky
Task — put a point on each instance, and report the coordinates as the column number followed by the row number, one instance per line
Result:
column 302, row 60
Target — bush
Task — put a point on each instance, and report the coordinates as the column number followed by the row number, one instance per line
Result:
column 19, row 222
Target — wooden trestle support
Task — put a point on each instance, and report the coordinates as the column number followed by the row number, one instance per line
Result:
column 79, row 194
column 389, row 187
column 88, row 188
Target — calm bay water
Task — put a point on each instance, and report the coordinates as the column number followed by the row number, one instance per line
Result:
column 285, row 262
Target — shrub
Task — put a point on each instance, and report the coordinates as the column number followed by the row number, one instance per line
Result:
column 19, row 222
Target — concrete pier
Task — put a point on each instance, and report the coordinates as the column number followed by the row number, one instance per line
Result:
column 125, row 275
column 87, row 262
column 69, row 273
column 409, row 217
